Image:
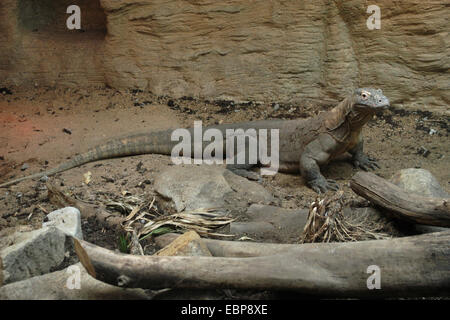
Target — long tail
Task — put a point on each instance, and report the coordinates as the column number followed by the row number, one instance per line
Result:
column 147, row 143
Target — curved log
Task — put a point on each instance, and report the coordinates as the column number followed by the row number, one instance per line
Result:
column 409, row 266
column 402, row 204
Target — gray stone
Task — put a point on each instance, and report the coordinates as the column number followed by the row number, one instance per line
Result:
column 252, row 228
column 61, row 285
column 271, row 223
column 193, row 187
column 419, row 181
column 32, row 253
column 67, row 219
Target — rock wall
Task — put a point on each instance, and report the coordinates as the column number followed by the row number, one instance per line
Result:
column 272, row 50
column 36, row 48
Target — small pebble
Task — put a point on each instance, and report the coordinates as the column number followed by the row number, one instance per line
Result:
column 24, row 167
column 423, row 151
column 43, row 179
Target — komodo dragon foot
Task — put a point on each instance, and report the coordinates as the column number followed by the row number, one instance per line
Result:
column 322, row 185
column 250, row 175
column 364, row 162
column 243, row 170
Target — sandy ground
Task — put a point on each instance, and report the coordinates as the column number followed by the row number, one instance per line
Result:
column 43, row 127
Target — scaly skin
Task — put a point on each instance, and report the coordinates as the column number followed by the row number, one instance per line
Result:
column 304, row 144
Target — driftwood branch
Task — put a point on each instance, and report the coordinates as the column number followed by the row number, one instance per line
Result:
column 87, row 210
column 402, row 204
column 409, row 266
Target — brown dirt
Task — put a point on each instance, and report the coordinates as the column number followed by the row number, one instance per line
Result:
column 43, row 127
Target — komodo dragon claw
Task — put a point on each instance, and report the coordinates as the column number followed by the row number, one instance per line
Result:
column 250, row 175
column 322, row 185
column 364, row 162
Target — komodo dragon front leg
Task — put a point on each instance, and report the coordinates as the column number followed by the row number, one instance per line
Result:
column 320, row 151
column 317, row 153
column 360, row 159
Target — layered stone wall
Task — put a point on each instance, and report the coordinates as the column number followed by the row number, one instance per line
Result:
column 36, row 48
column 271, row 50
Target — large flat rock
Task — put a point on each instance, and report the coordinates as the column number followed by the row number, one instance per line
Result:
column 191, row 187
column 271, row 223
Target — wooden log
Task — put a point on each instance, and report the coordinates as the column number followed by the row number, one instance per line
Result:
column 402, row 204
column 409, row 266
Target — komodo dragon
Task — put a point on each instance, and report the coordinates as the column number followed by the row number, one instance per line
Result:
column 304, row 144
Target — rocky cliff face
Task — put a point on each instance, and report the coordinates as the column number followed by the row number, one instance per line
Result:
column 260, row 50
column 36, row 48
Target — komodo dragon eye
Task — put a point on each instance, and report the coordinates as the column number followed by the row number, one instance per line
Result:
column 364, row 95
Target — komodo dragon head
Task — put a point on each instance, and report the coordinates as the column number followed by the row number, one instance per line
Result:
column 370, row 98
column 365, row 101
column 356, row 109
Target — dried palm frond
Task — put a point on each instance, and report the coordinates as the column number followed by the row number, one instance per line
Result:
column 125, row 205
column 203, row 221
column 326, row 223
column 144, row 218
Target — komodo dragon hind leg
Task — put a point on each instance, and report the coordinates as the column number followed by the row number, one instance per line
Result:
column 240, row 163
column 241, row 159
